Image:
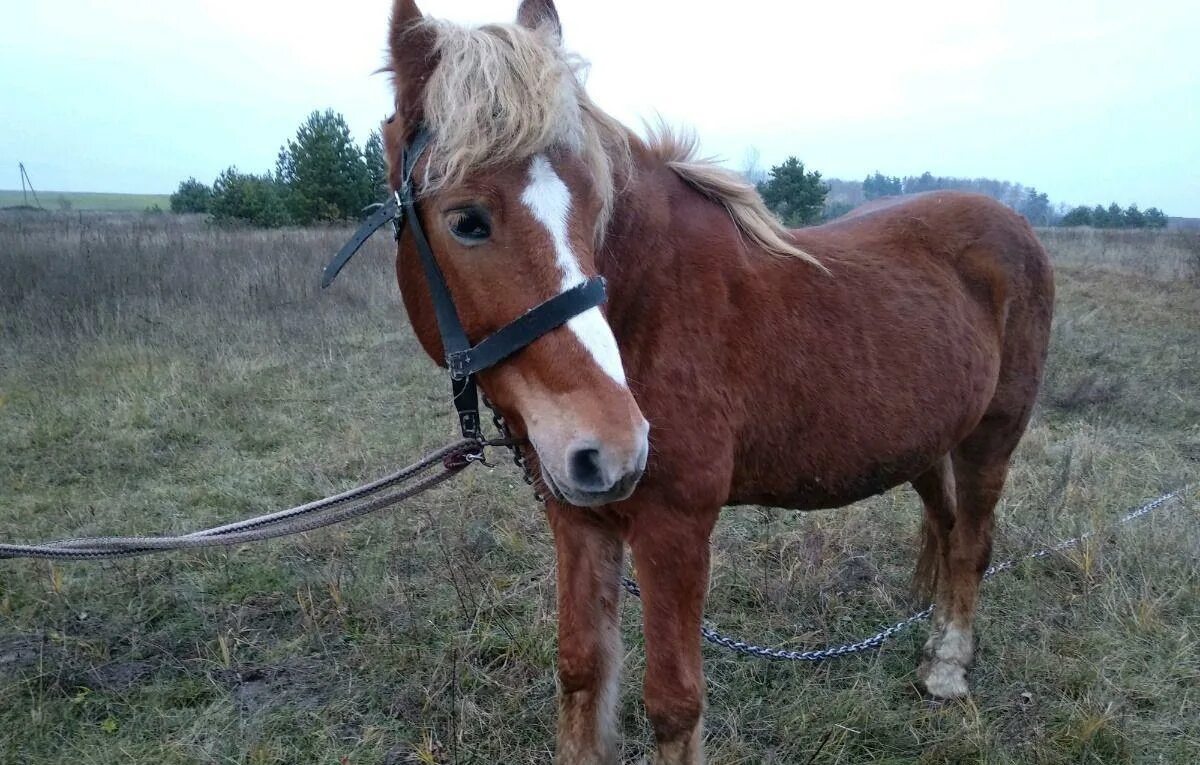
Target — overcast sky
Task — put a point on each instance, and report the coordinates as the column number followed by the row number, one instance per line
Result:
column 1090, row 102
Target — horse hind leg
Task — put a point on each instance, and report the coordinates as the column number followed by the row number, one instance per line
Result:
column 972, row 480
column 947, row 652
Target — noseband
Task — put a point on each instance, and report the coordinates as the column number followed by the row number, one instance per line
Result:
column 463, row 359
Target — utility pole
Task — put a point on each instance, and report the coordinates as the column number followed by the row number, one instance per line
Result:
column 27, row 187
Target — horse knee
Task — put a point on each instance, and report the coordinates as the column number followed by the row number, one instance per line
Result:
column 675, row 716
column 578, row 670
column 587, row 729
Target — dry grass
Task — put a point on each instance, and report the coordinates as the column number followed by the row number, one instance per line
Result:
column 1160, row 255
column 159, row 374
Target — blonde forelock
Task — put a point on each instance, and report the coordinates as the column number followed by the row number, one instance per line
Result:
column 503, row 93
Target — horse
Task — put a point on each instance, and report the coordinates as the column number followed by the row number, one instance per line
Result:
column 735, row 361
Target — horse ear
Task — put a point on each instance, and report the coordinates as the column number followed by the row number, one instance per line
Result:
column 413, row 59
column 540, row 14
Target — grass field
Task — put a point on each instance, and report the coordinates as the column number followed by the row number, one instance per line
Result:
column 63, row 201
column 157, row 374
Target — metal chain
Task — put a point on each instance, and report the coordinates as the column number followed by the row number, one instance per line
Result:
column 518, row 458
column 879, row 638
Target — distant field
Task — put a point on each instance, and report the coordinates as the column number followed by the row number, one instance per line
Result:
column 161, row 374
column 87, row 200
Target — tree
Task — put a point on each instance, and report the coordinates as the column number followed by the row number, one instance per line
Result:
column 1155, row 218
column 1079, row 216
column 1116, row 216
column 880, row 185
column 795, row 195
column 377, row 167
column 1133, row 217
column 835, row 210
column 191, row 197
column 752, row 169
column 245, row 198
column 924, row 183
column 1036, row 207
column 1100, row 217
column 324, row 171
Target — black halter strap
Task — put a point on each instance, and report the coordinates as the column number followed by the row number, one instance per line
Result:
column 463, row 358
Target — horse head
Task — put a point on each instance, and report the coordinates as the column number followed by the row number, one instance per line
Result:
column 513, row 192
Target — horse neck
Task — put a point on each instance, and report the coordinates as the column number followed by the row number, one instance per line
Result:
column 665, row 241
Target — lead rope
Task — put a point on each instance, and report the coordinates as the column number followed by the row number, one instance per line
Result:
column 401, row 485
column 716, row 637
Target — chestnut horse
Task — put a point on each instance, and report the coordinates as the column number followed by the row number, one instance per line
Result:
column 735, row 362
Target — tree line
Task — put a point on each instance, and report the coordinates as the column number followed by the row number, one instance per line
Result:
column 1114, row 217
column 321, row 175
column 801, row 197
column 1026, row 200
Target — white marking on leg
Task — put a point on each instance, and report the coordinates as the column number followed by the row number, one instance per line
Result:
column 549, row 199
column 956, row 646
column 606, row 700
column 946, row 671
column 587, row 724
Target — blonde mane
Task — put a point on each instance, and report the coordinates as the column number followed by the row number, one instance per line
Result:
column 738, row 196
column 502, row 91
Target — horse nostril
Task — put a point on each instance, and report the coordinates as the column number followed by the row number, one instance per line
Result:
column 586, row 471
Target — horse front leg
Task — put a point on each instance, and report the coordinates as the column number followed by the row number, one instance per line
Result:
column 589, row 554
column 670, row 551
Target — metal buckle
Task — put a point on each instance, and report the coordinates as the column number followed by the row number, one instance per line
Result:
column 479, row 457
column 463, row 459
column 459, row 364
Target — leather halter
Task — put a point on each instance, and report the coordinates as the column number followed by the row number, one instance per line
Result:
column 463, row 359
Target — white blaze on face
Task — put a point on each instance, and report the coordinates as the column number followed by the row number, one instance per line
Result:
column 549, row 199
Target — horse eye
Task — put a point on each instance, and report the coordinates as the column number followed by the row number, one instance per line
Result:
column 469, row 225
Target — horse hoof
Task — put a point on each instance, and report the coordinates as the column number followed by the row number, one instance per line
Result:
column 943, row 680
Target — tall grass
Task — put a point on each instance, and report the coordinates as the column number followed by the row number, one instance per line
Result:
column 1159, row 255
column 67, row 277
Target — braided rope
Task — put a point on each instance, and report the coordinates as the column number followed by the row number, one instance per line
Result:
column 361, row 500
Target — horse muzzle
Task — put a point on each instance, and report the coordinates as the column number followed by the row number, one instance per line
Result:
column 591, row 472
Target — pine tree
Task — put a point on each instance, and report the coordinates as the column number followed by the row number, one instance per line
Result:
column 324, row 171
column 256, row 200
column 1116, row 216
column 192, row 196
column 1035, row 207
column 1134, row 218
column 1155, row 218
column 377, row 167
column 795, row 195
column 1079, row 216
column 880, row 185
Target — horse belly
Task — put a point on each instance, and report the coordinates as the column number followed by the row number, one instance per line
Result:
column 875, row 418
